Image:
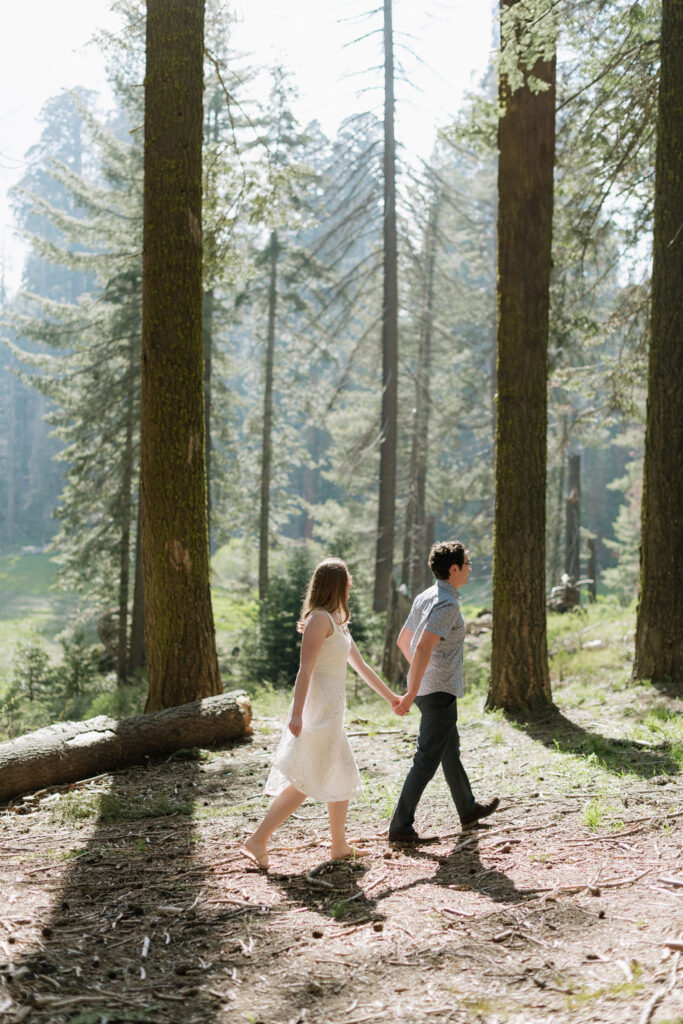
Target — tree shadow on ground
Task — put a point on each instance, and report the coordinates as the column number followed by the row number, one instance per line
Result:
column 332, row 889
column 615, row 754
column 132, row 928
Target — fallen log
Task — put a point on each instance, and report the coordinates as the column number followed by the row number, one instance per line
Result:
column 70, row 751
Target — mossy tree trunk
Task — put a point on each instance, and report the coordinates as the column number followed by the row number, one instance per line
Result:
column 384, row 559
column 181, row 647
column 659, row 626
column 526, row 143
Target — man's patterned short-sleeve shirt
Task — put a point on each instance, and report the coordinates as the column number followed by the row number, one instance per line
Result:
column 438, row 611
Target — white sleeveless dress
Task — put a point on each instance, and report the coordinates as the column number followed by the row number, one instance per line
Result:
column 319, row 761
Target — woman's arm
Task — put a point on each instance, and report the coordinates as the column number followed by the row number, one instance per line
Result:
column 371, row 678
column 318, row 627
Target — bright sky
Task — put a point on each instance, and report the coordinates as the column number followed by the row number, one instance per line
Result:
column 44, row 48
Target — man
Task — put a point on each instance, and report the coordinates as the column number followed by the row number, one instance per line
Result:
column 432, row 640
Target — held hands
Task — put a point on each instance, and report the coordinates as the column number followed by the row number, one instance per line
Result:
column 294, row 724
column 403, row 705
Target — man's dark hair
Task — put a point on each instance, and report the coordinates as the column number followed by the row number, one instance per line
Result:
column 445, row 554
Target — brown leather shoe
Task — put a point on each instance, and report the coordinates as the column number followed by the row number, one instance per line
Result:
column 480, row 811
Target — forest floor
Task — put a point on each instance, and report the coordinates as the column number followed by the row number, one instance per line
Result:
column 125, row 897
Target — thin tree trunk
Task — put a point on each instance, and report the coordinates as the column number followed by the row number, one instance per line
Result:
column 126, row 515
column 526, row 134
column 413, row 546
column 659, row 626
column 181, row 646
column 11, row 462
column 207, row 339
column 137, row 624
column 554, row 574
column 267, row 436
column 387, row 469
column 430, row 535
column 592, row 570
column 311, row 473
column 572, row 536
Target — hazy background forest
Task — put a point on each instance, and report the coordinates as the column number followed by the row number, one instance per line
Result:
column 292, row 311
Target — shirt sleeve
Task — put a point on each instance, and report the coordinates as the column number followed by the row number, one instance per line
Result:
column 413, row 620
column 442, row 618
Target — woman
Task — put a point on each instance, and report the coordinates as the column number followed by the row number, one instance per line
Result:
column 314, row 757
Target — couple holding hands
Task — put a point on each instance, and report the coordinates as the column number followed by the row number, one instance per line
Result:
column 314, row 758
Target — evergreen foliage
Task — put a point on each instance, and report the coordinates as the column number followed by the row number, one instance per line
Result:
column 269, row 652
column 279, row 194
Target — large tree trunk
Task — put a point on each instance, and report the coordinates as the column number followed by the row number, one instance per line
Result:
column 181, row 646
column 659, row 627
column 384, row 560
column 267, row 436
column 76, row 750
column 526, row 135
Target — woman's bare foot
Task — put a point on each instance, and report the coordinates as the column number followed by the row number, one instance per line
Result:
column 257, row 853
column 345, row 852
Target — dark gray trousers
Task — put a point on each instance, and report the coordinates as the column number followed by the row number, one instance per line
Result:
column 438, row 743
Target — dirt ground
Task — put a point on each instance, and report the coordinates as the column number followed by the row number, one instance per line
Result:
column 532, row 917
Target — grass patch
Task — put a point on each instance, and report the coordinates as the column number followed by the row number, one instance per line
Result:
column 600, row 814
column 105, row 808
column 379, row 796
column 619, row 989
column 30, row 601
column 268, row 701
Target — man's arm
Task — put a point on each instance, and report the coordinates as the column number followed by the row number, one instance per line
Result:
column 420, row 660
column 403, row 643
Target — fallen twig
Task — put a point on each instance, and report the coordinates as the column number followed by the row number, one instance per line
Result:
column 450, row 910
column 348, row 931
column 568, row 889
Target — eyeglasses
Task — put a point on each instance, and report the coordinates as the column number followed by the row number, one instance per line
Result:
column 467, row 562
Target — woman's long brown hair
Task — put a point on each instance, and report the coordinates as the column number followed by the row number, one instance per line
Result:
column 327, row 589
